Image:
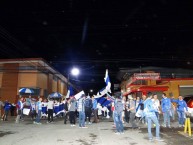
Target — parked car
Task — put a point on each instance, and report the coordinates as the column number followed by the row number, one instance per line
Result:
column 189, row 101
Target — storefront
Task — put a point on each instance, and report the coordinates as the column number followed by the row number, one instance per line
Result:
column 142, row 83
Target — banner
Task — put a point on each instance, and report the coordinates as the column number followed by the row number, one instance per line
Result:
column 26, row 111
column 77, row 96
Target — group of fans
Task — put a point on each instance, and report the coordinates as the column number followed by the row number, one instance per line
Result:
column 147, row 110
column 68, row 108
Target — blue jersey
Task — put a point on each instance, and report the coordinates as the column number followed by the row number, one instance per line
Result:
column 39, row 105
column 166, row 104
column 149, row 110
column 94, row 104
column 181, row 105
column 7, row 106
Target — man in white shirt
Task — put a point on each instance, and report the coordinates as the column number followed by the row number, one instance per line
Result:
column 156, row 105
column 50, row 108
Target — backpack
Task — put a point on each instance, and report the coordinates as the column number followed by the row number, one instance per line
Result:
column 88, row 103
column 142, row 106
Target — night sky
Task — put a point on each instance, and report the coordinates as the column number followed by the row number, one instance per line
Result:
column 99, row 34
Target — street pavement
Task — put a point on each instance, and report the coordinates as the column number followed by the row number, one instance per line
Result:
column 102, row 133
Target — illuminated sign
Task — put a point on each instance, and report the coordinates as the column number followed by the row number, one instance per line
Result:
column 147, row 76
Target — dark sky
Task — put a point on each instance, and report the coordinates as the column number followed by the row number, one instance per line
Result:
column 99, row 34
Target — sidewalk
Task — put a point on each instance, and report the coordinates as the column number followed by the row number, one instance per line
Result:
column 102, row 133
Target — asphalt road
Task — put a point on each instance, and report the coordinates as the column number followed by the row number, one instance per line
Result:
column 102, row 133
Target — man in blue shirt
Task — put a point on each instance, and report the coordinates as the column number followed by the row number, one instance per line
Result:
column 38, row 111
column 7, row 107
column 81, row 110
column 166, row 108
column 118, row 115
column 95, row 109
column 149, row 113
column 181, row 108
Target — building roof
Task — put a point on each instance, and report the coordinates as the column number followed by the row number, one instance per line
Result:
column 39, row 64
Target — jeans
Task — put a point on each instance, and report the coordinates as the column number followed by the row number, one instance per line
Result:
column 66, row 114
column 118, row 122
column 181, row 117
column 81, row 119
column 155, row 121
column 38, row 116
column 6, row 112
column 114, row 117
column 18, row 116
column 132, row 119
column 88, row 113
column 167, row 117
column 173, row 114
column 157, row 115
column 95, row 112
column 50, row 114
column 127, row 116
column 72, row 117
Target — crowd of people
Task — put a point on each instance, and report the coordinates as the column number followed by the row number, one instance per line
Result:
column 69, row 108
column 148, row 110
column 123, row 109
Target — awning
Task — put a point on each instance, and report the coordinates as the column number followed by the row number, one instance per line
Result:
column 133, row 89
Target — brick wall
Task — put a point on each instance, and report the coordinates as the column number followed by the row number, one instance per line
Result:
column 42, row 81
column 27, row 79
column 9, row 82
column 49, row 84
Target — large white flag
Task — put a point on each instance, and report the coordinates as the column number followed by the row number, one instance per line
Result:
column 101, row 93
column 68, row 94
column 107, row 81
column 98, row 95
column 77, row 96
column 107, row 88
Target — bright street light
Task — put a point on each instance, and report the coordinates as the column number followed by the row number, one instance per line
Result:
column 91, row 90
column 75, row 71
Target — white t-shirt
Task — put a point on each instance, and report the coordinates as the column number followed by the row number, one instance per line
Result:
column 156, row 103
column 124, row 102
column 50, row 105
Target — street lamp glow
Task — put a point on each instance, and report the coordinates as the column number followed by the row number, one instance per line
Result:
column 75, row 71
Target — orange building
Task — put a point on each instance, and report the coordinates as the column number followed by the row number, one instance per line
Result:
column 34, row 73
column 173, row 83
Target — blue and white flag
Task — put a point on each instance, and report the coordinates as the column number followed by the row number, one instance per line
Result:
column 78, row 96
column 68, row 94
column 109, row 97
column 103, row 91
column 107, row 81
column 98, row 95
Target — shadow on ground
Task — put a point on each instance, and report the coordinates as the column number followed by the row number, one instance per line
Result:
column 172, row 136
column 3, row 133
